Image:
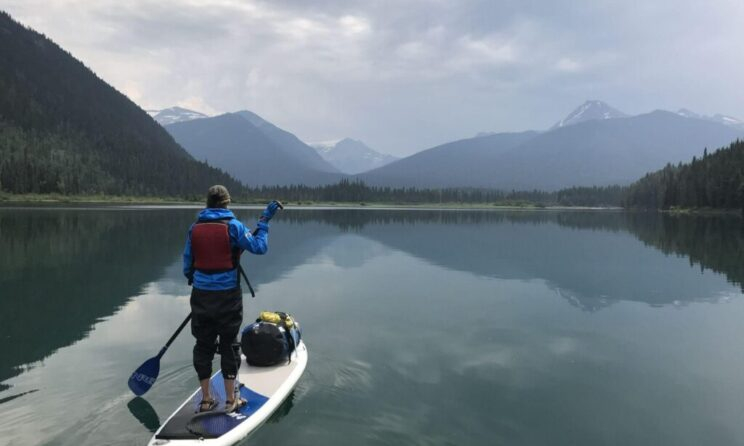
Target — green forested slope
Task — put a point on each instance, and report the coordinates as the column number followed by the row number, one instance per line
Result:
column 64, row 130
column 714, row 181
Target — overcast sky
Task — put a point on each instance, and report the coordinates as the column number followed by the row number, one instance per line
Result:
column 406, row 75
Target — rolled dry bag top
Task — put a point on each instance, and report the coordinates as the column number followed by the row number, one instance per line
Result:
column 277, row 317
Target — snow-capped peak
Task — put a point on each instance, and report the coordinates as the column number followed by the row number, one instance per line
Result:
column 350, row 155
column 175, row 114
column 688, row 113
column 728, row 120
column 719, row 118
column 589, row 110
column 324, row 146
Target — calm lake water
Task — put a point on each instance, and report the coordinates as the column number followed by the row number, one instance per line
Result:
column 423, row 327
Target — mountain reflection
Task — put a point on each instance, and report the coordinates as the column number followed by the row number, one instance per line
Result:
column 589, row 257
column 64, row 270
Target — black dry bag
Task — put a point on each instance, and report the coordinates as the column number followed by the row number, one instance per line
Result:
column 264, row 344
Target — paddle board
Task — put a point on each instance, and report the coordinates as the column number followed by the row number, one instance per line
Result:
column 265, row 388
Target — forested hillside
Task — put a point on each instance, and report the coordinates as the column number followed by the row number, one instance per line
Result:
column 358, row 192
column 64, row 130
column 715, row 181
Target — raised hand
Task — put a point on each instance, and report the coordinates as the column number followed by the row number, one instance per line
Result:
column 270, row 210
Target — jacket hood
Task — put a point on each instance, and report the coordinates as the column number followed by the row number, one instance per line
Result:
column 215, row 214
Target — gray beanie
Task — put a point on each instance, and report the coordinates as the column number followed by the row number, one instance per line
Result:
column 218, row 197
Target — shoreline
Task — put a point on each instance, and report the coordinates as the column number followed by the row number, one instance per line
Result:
column 102, row 201
column 702, row 211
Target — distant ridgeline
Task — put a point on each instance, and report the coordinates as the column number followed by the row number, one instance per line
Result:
column 64, row 130
column 713, row 181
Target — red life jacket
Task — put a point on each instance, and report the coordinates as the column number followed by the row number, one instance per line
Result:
column 211, row 248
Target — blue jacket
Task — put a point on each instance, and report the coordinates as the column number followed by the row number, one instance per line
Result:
column 240, row 237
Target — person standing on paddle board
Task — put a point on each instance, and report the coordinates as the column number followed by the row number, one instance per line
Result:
column 211, row 262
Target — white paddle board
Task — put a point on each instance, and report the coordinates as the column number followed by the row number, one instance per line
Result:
column 265, row 388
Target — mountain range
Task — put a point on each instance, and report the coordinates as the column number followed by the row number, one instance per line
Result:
column 594, row 145
column 64, row 130
column 346, row 156
column 253, row 150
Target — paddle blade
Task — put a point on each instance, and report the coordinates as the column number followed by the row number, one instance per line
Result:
column 144, row 377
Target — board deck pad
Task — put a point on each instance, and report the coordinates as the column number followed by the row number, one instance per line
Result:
column 213, row 426
column 259, row 384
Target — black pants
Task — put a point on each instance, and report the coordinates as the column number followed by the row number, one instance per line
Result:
column 216, row 314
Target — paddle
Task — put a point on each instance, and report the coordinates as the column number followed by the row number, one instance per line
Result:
column 240, row 268
column 144, row 377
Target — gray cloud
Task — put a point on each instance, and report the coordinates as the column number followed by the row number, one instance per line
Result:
column 406, row 75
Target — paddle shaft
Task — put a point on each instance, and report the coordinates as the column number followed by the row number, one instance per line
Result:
column 240, row 268
column 144, row 377
column 247, row 282
column 172, row 338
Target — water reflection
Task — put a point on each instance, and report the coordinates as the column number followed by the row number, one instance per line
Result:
column 283, row 409
column 423, row 326
column 63, row 270
column 590, row 258
column 17, row 395
column 144, row 413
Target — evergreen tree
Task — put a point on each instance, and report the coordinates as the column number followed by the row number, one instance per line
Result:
column 64, row 130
